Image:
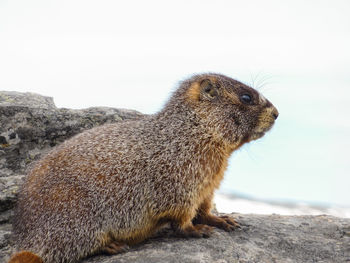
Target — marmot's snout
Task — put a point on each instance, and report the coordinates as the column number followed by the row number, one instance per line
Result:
column 266, row 121
column 275, row 113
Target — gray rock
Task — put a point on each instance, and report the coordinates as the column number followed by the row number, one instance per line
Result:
column 28, row 99
column 9, row 187
column 30, row 125
column 262, row 238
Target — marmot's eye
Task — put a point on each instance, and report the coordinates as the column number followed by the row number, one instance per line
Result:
column 246, row 98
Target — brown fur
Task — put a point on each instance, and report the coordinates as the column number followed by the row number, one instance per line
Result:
column 115, row 185
column 25, row 257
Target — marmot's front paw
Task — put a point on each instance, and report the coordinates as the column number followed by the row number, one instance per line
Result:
column 115, row 248
column 227, row 223
column 223, row 222
column 201, row 231
column 197, row 231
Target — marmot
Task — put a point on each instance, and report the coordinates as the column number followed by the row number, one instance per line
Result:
column 115, row 185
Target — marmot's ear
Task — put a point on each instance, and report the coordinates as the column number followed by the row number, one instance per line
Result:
column 208, row 89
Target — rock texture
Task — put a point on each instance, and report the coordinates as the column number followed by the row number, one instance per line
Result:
column 30, row 125
column 270, row 239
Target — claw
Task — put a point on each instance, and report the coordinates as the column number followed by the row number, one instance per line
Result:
column 224, row 222
column 115, row 248
column 231, row 221
column 197, row 231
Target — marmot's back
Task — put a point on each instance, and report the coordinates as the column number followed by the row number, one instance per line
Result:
column 75, row 192
column 116, row 184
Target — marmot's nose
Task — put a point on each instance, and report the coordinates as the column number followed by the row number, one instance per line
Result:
column 275, row 113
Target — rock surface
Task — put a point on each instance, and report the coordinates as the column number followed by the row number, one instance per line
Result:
column 262, row 239
column 30, row 125
column 270, row 238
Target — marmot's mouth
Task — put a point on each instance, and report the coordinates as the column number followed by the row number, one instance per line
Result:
column 256, row 135
column 262, row 129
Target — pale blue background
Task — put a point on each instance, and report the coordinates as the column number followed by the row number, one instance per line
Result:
column 131, row 55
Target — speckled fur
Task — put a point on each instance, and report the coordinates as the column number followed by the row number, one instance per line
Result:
column 123, row 181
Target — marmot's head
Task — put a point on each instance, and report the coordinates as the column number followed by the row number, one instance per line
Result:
column 234, row 111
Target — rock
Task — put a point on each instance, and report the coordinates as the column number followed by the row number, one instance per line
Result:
column 262, row 238
column 5, row 247
column 28, row 99
column 9, row 187
column 30, row 125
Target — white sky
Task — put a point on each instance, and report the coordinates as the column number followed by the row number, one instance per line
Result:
column 132, row 54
